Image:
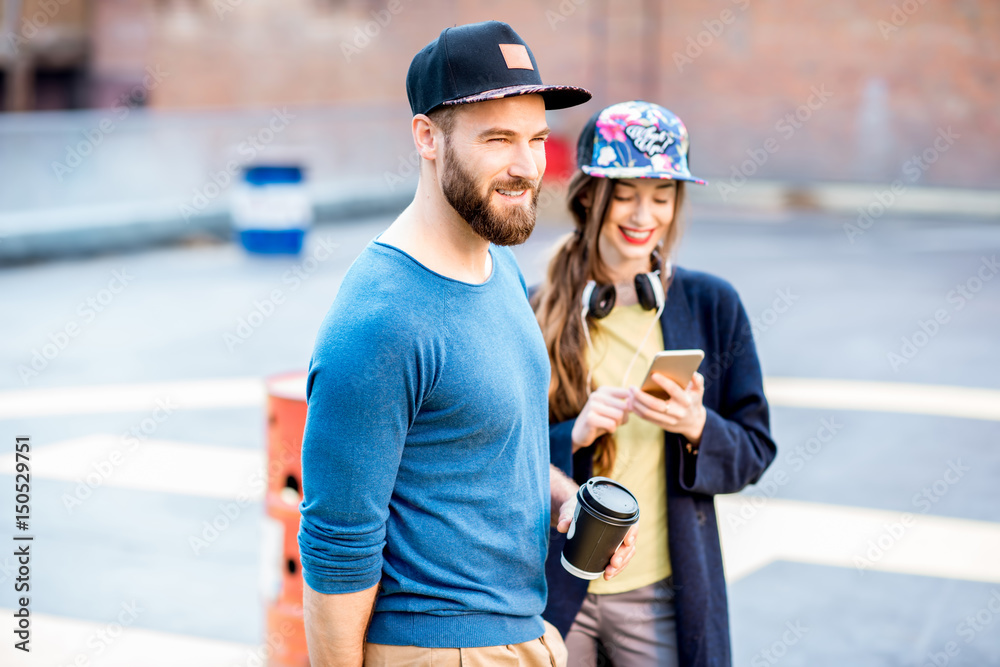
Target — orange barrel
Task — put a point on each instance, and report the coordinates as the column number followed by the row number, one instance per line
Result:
column 285, row 644
column 282, row 569
column 286, row 420
column 289, row 588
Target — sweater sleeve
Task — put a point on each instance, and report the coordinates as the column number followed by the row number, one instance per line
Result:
column 364, row 389
column 736, row 446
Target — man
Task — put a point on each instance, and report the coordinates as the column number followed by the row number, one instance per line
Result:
column 426, row 475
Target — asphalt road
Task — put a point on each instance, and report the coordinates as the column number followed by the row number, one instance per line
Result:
column 908, row 301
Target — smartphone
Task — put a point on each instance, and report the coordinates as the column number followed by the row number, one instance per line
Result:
column 678, row 365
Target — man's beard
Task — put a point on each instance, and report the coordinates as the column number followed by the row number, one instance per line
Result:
column 509, row 227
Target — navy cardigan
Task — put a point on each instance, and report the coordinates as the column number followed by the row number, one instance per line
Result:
column 703, row 312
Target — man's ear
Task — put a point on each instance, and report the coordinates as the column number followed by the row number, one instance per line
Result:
column 425, row 137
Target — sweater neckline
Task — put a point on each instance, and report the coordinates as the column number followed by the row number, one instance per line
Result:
column 485, row 283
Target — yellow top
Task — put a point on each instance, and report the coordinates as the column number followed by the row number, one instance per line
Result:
column 640, row 463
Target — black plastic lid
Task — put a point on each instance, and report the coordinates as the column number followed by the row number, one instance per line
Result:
column 609, row 497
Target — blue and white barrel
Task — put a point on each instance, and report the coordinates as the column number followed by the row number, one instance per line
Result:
column 271, row 209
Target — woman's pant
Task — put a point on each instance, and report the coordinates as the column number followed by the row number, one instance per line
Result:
column 637, row 628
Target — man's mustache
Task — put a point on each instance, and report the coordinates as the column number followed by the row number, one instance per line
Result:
column 515, row 184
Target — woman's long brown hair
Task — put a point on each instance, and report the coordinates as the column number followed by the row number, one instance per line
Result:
column 557, row 301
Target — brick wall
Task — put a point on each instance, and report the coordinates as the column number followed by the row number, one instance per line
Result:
column 124, row 31
column 880, row 93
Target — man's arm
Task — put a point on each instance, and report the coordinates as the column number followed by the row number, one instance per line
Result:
column 336, row 626
column 366, row 381
column 562, row 489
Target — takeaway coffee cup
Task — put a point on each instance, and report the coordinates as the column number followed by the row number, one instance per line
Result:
column 605, row 510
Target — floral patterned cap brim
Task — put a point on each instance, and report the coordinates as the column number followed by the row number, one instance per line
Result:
column 636, row 139
column 638, row 172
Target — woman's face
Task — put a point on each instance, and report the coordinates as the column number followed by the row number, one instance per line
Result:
column 638, row 218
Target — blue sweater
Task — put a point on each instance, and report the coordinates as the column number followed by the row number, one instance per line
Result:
column 425, row 455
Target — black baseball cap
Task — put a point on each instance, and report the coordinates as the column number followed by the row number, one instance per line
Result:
column 479, row 62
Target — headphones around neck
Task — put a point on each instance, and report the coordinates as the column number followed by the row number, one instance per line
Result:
column 598, row 300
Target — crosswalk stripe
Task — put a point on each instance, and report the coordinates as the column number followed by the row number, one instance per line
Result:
column 756, row 532
column 96, row 399
column 923, row 399
column 151, row 465
column 831, row 394
column 57, row 641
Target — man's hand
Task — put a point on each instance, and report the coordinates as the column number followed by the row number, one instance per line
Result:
column 606, row 409
column 622, row 555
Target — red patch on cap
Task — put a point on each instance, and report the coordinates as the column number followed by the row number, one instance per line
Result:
column 516, row 56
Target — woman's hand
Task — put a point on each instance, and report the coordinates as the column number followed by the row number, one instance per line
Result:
column 682, row 413
column 606, row 409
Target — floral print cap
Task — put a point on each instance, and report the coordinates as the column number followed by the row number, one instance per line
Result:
column 635, row 140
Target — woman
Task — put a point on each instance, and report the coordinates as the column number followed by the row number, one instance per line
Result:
column 603, row 321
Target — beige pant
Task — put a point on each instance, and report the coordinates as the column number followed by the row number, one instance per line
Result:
column 546, row 651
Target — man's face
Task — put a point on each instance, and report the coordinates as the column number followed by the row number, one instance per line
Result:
column 493, row 165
